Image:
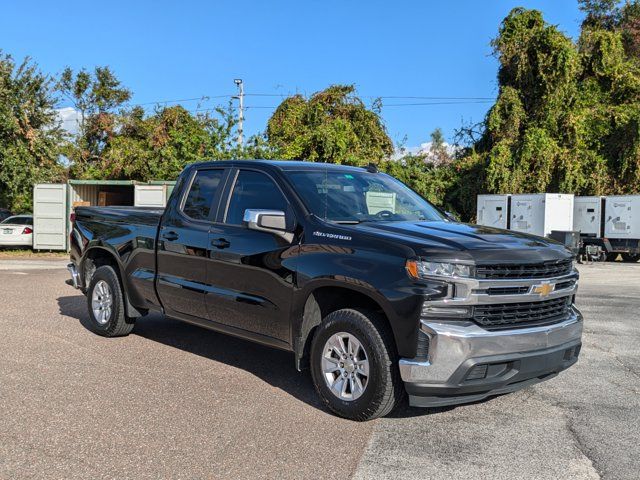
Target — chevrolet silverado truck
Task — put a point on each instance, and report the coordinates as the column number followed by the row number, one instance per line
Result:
column 379, row 293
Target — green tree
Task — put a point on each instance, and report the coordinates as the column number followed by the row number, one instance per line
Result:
column 332, row 126
column 29, row 132
column 97, row 96
column 567, row 116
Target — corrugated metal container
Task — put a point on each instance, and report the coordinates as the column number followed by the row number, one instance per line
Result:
column 91, row 193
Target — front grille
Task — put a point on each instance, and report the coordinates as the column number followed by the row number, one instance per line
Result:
column 522, row 314
column 531, row 270
column 507, row 290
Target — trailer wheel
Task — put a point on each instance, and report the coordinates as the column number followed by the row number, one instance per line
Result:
column 611, row 257
column 630, row 257
column 106, row 304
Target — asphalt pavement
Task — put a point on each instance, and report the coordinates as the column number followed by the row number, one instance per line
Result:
column 172, row 400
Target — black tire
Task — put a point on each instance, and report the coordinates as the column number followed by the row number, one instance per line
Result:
column 630, row 257
column 116, row 324
column 384, row 389
column 611, row 257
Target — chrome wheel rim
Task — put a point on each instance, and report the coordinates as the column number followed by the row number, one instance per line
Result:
column 101, row 302
column 345, row 366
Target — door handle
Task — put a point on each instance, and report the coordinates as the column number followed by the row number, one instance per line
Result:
column 220, row 243
column 170, row 236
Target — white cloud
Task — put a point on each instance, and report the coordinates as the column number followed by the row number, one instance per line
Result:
column 424, row 149
column 69, row 119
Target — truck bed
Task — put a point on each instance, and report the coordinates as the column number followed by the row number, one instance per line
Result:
column 129, row 215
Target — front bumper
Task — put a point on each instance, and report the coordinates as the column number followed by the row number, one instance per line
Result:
column 467, row 363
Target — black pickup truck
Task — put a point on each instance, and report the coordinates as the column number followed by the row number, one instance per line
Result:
column 374, row 289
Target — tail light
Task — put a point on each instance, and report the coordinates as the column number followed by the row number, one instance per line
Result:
column 72, row 217
column 27, row 231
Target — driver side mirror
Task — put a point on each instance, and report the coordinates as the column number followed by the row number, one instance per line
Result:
column 271, row 221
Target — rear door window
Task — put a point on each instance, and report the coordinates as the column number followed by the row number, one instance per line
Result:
column 199, row 202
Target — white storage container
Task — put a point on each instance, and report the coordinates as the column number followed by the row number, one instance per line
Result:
column 587, row 216
column 539, row 213
column 622, row 217
column 493, row 211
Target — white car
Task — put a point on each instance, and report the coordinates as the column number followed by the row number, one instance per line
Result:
column 17, row 231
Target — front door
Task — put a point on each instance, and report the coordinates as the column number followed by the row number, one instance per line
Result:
column 184, row 245
column 251, row 273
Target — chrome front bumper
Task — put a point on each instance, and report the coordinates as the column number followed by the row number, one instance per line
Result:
column 453, row 344
column 518, row 357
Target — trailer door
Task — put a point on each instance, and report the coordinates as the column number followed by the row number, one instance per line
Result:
column 50, row 216
column 618, row 221
column 493, row 213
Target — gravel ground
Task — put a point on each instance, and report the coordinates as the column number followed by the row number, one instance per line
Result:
column 169, row 401
column 176, row 401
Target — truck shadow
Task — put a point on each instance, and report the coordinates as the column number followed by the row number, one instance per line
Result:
column 275, row 367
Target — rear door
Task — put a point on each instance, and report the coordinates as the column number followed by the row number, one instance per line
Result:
column 183, row 245
column 50, row 216
column 250, row 272
column 618, row 222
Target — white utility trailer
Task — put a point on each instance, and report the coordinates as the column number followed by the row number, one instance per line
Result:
column 53, row 204
column 587, row 216
column 540, row 213
column 493, row 211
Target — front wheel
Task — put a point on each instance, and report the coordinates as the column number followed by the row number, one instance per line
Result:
column 354, row 365
column 106, row 304
column 630, row 257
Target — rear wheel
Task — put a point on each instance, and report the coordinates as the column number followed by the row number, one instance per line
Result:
column 611, row 257
column 106, row 304
column 630, row 257
column 354, row 365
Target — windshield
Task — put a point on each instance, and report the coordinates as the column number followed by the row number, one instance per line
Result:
column 351, row 196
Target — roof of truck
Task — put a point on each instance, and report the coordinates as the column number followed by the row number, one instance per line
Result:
column 284, row 164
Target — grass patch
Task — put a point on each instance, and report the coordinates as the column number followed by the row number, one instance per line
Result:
column 17, row 253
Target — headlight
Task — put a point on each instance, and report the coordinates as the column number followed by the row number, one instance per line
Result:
column 420, row 269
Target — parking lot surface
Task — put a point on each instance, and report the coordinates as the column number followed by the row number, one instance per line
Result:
column 175, row 401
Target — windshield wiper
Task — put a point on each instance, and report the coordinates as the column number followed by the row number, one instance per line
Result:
column 347, row 222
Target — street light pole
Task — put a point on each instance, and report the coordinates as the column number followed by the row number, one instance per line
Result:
column 240, row 84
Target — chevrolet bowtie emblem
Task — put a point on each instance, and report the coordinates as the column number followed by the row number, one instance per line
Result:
column 543, row 289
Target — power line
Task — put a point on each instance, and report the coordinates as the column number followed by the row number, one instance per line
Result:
column 433, row 103
column 206, row 98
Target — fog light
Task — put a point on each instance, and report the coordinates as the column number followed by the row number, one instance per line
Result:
column 478, row 372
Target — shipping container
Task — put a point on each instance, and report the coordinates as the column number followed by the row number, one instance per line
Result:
column 53, row 204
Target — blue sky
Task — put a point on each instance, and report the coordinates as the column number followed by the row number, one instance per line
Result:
column 169, row 50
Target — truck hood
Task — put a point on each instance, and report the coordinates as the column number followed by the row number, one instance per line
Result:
column 460, row 241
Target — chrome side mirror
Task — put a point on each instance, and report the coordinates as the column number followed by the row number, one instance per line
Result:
column 272, row 221
column 452, row 216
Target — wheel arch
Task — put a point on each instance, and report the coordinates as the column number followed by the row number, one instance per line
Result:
column 320, row 302
column 100, row 256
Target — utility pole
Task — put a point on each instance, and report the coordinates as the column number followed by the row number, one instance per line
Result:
column 240, row 97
